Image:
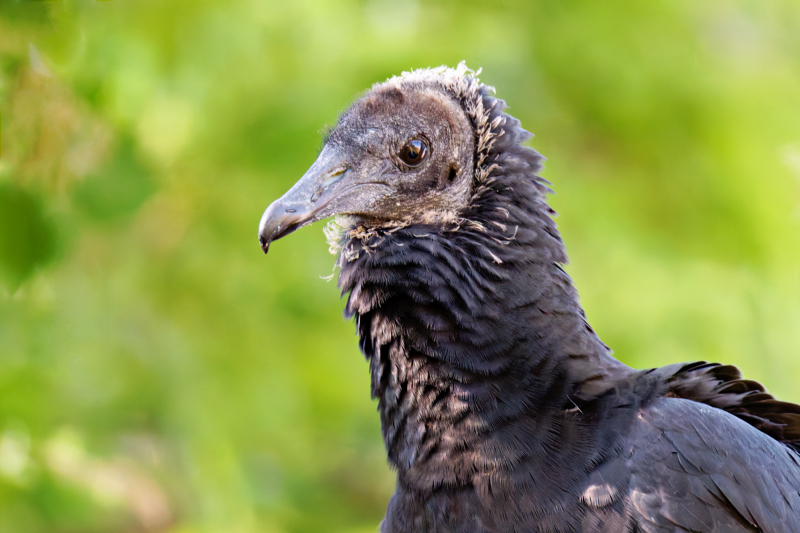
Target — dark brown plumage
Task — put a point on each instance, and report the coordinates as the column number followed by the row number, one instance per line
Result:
column 501, row 409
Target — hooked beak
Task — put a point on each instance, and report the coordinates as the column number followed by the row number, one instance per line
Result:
column 327, row 188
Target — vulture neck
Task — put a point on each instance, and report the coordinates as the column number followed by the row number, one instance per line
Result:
column 470, row 329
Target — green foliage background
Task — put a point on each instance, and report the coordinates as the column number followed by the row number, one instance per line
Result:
column 158, row 373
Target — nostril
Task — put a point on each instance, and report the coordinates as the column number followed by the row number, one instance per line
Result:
column 335, row 176
column 290, row 210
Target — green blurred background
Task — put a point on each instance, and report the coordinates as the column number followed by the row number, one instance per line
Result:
column 158, row 373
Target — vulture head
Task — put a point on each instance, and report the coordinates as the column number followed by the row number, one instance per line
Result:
column 413, row 149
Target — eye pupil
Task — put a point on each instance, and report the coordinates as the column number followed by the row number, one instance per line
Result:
column 414, row 149
column 414, row 152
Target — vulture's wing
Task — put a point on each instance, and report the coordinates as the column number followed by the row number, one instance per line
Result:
column 696, row 468
column 723, row 386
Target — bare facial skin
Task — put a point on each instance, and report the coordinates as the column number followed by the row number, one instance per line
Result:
column 364, row 170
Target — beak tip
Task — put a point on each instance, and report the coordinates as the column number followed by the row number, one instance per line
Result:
column 307, row 201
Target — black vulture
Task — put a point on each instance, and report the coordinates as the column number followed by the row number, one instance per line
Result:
column 501, row 409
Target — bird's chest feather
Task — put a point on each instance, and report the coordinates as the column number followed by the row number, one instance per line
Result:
column 477, row 430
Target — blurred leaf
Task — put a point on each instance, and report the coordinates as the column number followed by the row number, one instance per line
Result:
column 118, row 189
column 27, row 238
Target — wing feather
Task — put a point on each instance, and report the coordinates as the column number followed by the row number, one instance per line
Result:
column 697, row 468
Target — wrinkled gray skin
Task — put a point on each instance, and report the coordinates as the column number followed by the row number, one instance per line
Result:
column 360, row 173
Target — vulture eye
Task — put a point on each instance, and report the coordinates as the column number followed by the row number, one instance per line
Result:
column 414, row 152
